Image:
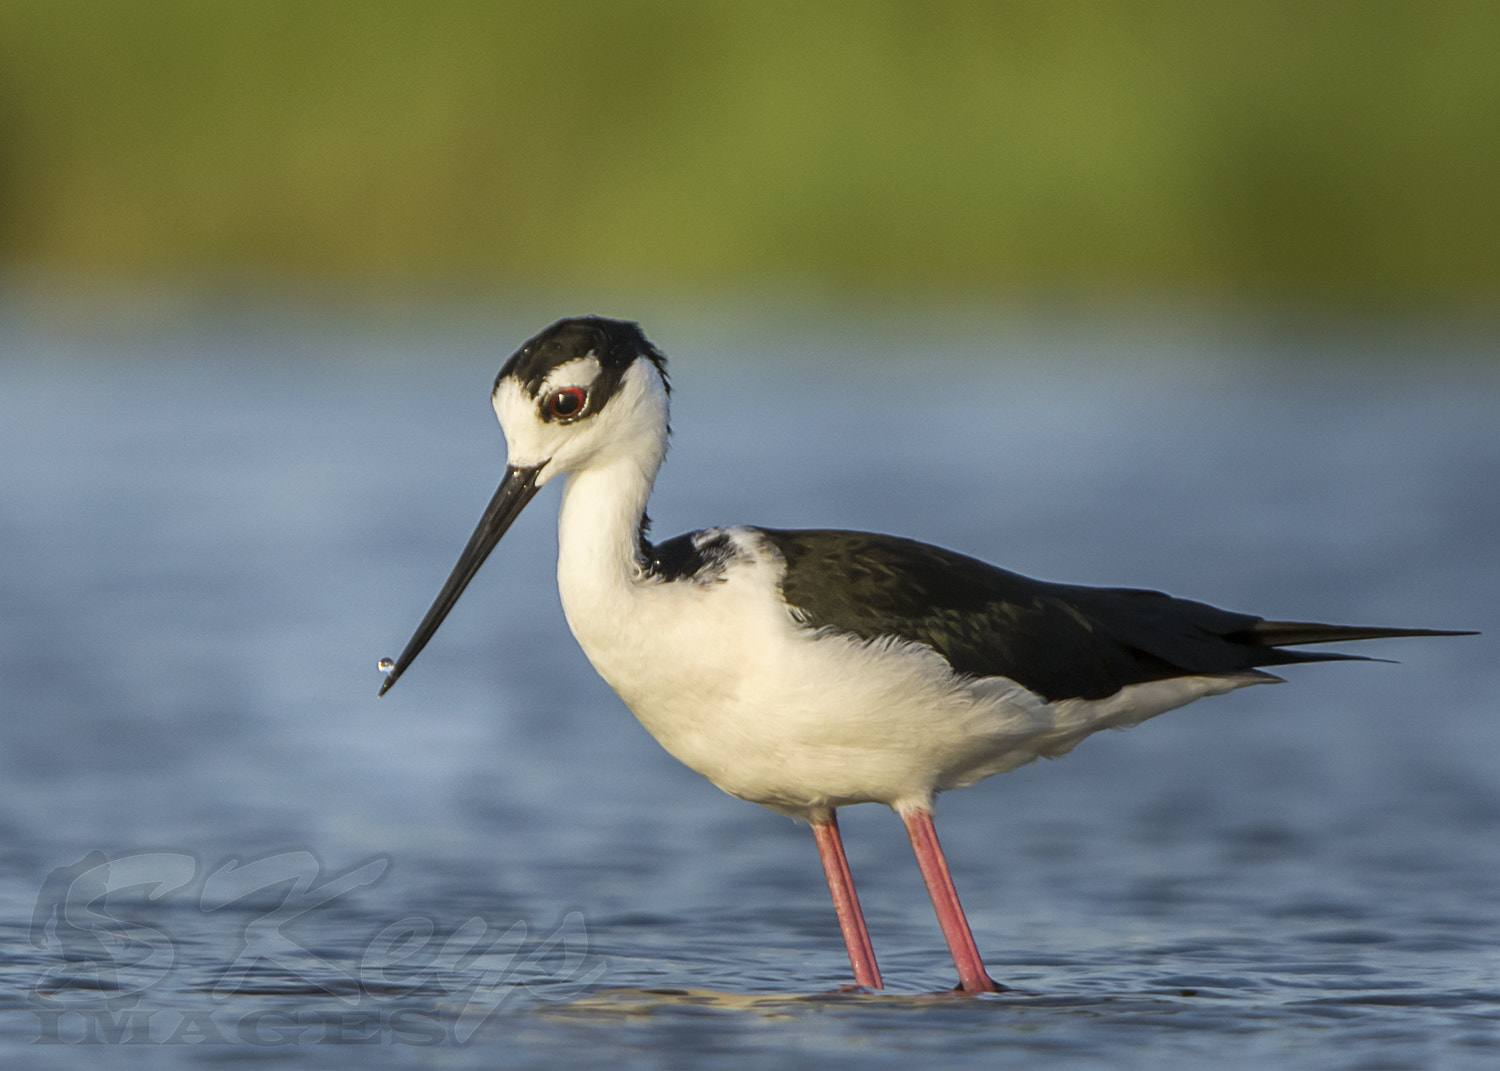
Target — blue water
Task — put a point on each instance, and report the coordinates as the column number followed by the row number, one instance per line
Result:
column 218, row 846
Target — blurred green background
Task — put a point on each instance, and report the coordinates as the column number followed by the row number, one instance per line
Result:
column 1343, row 153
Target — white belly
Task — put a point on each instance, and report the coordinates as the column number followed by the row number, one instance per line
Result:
column 800, row 721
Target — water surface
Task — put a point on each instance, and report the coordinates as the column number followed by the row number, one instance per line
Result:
column 219, row 846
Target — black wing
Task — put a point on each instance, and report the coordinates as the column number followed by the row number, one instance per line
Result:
column 1060, row 641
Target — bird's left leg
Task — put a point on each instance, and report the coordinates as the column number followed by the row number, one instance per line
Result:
column 971, row 973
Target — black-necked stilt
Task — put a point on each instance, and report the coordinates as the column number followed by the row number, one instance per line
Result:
column 812, row 670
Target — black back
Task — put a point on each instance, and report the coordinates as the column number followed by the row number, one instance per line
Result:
column 1060, row 641
column 696, row 556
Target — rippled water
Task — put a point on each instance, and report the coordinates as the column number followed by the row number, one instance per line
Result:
column 219, row 846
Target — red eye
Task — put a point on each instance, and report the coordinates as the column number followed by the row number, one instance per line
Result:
column 567, row 403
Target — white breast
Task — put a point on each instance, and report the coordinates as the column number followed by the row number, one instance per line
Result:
column 796, row 720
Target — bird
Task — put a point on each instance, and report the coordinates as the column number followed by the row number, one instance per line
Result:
column 812, row 670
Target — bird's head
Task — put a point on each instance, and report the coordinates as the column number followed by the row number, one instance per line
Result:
column 585, row 391
column 582, row 390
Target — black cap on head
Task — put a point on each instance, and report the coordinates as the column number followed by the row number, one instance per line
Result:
column 615, row 344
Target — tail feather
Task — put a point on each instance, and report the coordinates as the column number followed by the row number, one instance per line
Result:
column 1268, row 640
column 1295, row 633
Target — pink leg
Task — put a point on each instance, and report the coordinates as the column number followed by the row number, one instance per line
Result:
column 971, row 974
column 846, row 902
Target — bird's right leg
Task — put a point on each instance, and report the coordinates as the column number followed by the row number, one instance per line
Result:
column 846, row 902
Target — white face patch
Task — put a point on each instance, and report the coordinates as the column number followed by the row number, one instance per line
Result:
column 579, row 372
column 632, row 423
column 524, row 432
column 529, row 439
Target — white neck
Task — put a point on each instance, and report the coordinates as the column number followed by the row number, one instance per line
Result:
column 599, row 520
column 598, row 553
column 609, row 464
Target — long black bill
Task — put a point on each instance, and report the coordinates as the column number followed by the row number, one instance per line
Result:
column 517, row 489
